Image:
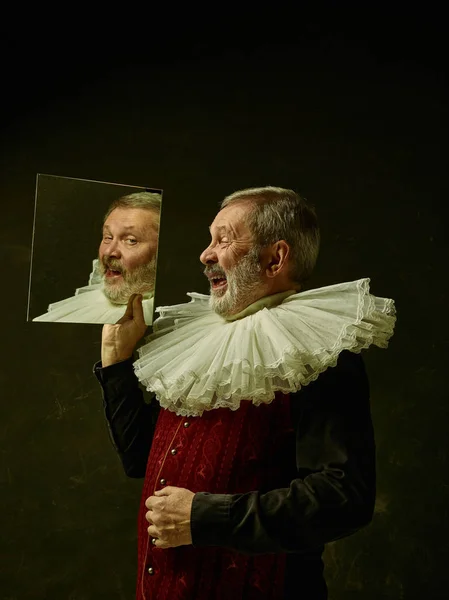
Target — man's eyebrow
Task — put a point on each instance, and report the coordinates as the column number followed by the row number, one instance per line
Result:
column 220, row 228
column 127, row 227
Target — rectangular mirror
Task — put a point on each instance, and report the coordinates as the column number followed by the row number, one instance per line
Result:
column 94, row 244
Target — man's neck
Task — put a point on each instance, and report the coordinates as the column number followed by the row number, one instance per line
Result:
column 265, row 302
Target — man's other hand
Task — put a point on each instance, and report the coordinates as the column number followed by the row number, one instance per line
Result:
column 118, row 341
column 169, row 517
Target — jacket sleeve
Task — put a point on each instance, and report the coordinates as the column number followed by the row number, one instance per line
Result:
column 334, row 492
column 131, row 421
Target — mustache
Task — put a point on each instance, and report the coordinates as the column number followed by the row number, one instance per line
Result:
column 113, row 264
column 214, row 270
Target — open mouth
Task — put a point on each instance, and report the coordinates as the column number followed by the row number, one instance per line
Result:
column 112, row 273
column 218, row 282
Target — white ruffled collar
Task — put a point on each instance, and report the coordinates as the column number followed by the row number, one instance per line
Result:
column 90, row 305
column 196, row 360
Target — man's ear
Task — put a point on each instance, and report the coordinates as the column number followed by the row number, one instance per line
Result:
column 277, row 259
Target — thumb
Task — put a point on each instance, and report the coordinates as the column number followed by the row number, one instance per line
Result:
column 129, row 309
column 137, row 309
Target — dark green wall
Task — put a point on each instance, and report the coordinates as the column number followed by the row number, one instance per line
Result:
column 358, row 127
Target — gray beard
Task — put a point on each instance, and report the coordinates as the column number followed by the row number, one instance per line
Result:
column 138, row 281
column 243, row 282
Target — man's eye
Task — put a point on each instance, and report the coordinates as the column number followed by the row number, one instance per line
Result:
column 106, row 238
column 131, row 241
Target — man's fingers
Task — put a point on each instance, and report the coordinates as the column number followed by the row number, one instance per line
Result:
column 164, row 491
column 149, row 502
column 156, row 538
column 157, row 543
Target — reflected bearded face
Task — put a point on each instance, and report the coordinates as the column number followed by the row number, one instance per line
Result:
column 232, row 263
column 127, row 253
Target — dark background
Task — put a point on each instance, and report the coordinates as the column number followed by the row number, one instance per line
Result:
column 348, row 107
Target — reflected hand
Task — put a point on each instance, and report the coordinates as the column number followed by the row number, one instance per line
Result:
column 118, row 341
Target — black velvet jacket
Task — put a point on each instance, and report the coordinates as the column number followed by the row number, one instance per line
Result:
column 332, row 496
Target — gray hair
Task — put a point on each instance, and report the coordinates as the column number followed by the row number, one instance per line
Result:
column 146, row 200
column 281, row 214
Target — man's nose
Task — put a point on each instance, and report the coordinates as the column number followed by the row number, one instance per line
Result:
column 112, row 249
column 208, row 256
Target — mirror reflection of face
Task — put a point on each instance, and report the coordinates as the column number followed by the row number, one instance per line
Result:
column 127, row 253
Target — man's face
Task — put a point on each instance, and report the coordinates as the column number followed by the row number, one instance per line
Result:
column 127, row 253
column 232, row 262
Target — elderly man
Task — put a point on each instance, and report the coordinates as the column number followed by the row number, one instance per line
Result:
column 259, row 446
column 126, row 265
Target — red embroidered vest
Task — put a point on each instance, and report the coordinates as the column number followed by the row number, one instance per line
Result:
column 222, row 452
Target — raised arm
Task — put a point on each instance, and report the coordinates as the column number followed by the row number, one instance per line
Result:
column 130, row 419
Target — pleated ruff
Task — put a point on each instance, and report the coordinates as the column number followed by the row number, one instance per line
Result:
column 90, row 305
column 197, row 361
